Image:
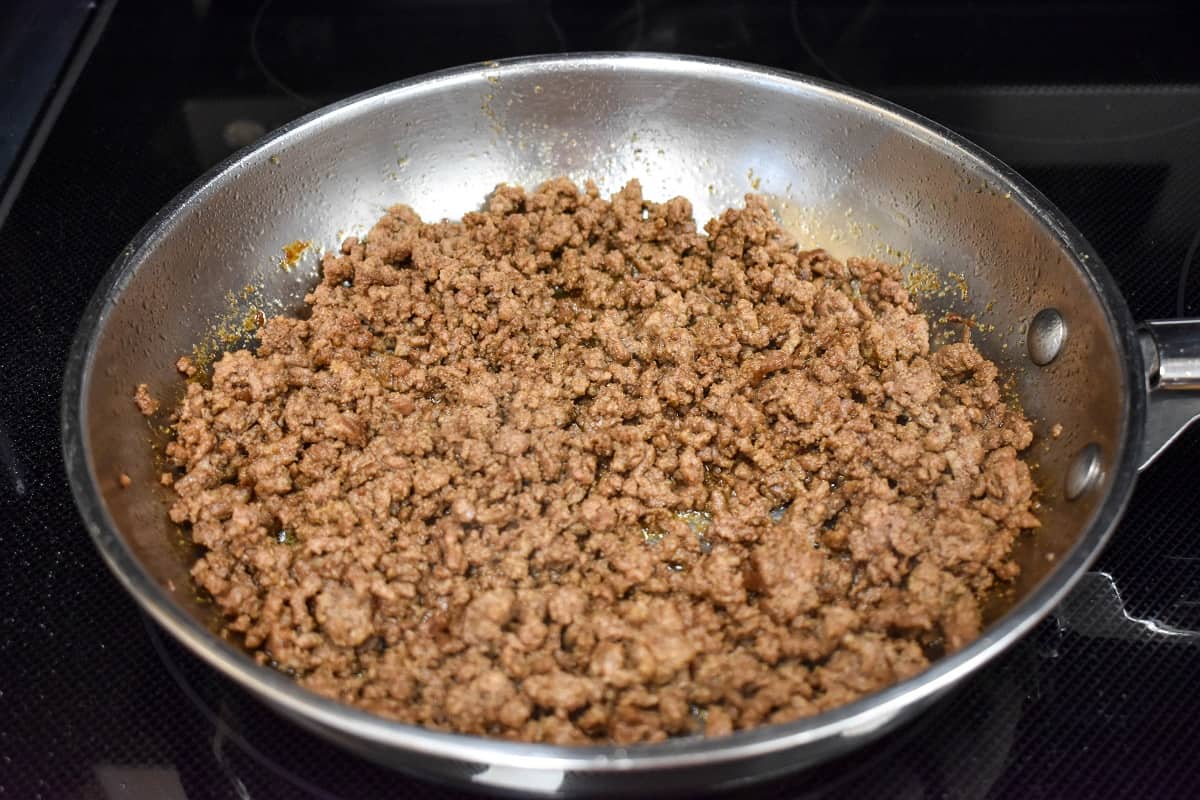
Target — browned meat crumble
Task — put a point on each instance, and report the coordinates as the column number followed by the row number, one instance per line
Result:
column 146, row 404
column 570, row 471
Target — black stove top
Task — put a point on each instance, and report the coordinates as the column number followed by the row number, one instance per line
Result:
column 1097, row 103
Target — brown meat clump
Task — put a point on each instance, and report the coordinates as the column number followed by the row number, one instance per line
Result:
column 145, row 402
column 570, row 471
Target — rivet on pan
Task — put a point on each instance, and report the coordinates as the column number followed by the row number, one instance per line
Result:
column 1084, row 471
column 1047, row 333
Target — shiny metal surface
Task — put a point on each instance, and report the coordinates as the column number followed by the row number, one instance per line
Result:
column 1177, row 365
column 1084, row 472
column 1046, row 336
column 841, row 169
column 1171, row 352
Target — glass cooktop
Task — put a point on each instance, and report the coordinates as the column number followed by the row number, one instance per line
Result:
column 1098, row 104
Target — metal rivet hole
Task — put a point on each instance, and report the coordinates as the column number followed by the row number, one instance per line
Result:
column 1046, row 336
column 1084, row 472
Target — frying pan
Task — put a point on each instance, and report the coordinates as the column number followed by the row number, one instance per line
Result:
column 842, row 169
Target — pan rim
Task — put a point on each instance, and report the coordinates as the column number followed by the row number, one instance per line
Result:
column 863, row 717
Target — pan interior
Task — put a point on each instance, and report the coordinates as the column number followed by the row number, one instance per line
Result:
column 840, row 172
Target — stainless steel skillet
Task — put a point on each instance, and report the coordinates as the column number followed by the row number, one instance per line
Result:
column 844, row 170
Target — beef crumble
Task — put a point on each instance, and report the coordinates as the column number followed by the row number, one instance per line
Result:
column 570, row 471
column 146, row 404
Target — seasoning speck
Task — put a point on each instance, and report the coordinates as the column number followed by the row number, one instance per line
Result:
column 292, row 253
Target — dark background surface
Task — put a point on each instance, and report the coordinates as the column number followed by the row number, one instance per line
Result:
column 1098, row 104
column 37, row 38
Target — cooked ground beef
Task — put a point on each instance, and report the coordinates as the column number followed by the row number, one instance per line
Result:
column 570, row 471
column 146, row 404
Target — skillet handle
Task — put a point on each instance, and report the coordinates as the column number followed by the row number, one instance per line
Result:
column 1171, row 354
